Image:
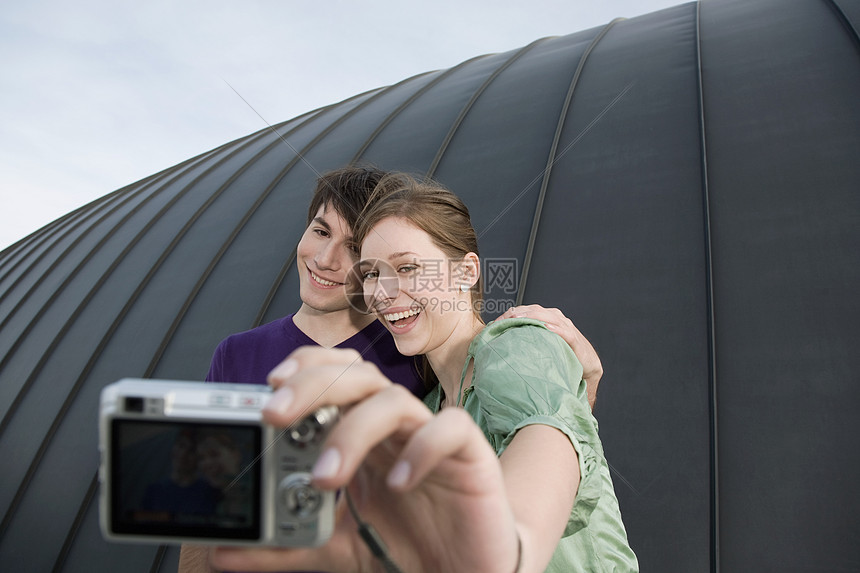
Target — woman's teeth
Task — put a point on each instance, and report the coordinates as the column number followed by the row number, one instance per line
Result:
column 393, row 317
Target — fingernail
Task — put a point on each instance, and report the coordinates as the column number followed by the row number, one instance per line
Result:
column 285, row 369
column 280, row 401
column 327, row 465
column 399, row 474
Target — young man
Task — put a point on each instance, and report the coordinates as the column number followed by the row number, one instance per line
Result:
column 325, row 256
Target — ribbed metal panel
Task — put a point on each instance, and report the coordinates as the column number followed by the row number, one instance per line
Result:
column 684, row 185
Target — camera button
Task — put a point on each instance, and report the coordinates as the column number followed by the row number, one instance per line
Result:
column 254, row 401
column 298, row 496
column 218, row 399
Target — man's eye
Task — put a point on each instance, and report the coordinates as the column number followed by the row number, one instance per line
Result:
column 321, row 232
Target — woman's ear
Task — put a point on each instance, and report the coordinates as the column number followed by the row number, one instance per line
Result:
column 469, row 270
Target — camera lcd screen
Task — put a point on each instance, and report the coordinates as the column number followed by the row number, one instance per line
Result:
column 183, row 479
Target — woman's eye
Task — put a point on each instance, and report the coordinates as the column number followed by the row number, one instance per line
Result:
column 371, row 275
column 407, row 268
column 321, row 232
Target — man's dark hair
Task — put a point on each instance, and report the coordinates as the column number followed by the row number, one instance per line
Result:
column 347, row 190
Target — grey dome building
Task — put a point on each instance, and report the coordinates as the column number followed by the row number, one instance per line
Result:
column 685, row 185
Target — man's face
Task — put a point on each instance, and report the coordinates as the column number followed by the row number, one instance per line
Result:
column 324, row 258
column 184, row 456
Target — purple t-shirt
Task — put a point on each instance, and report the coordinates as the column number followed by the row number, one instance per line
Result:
column 248, row 357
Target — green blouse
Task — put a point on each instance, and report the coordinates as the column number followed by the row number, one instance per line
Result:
column 524, row 374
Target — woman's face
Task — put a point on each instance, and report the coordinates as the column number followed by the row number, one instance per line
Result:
column 218, row 462
column 412, row 286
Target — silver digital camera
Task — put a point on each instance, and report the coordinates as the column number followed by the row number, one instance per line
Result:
column 193, row 462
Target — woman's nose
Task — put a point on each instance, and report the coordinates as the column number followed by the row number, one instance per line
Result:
column 386, row 289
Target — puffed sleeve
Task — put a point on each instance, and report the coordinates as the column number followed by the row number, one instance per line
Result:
column 524, row 375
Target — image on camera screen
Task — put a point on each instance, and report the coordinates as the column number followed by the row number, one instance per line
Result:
column 180, row 479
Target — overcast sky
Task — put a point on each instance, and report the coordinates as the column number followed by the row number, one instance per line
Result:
column 97, row 94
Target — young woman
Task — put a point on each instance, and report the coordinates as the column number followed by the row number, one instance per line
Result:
column 500, row 469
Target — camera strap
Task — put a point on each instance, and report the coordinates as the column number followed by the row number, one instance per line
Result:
column 372, row 539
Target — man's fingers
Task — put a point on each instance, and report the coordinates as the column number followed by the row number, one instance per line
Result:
column 262, row 559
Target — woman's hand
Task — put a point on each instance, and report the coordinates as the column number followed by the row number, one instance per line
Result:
column 431, row 486
column 556, row 321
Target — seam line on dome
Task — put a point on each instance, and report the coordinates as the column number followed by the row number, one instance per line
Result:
column 552, row 158
column 466, row 108
column 713, row 429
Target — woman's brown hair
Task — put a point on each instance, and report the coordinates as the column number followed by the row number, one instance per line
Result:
column 430, row 207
